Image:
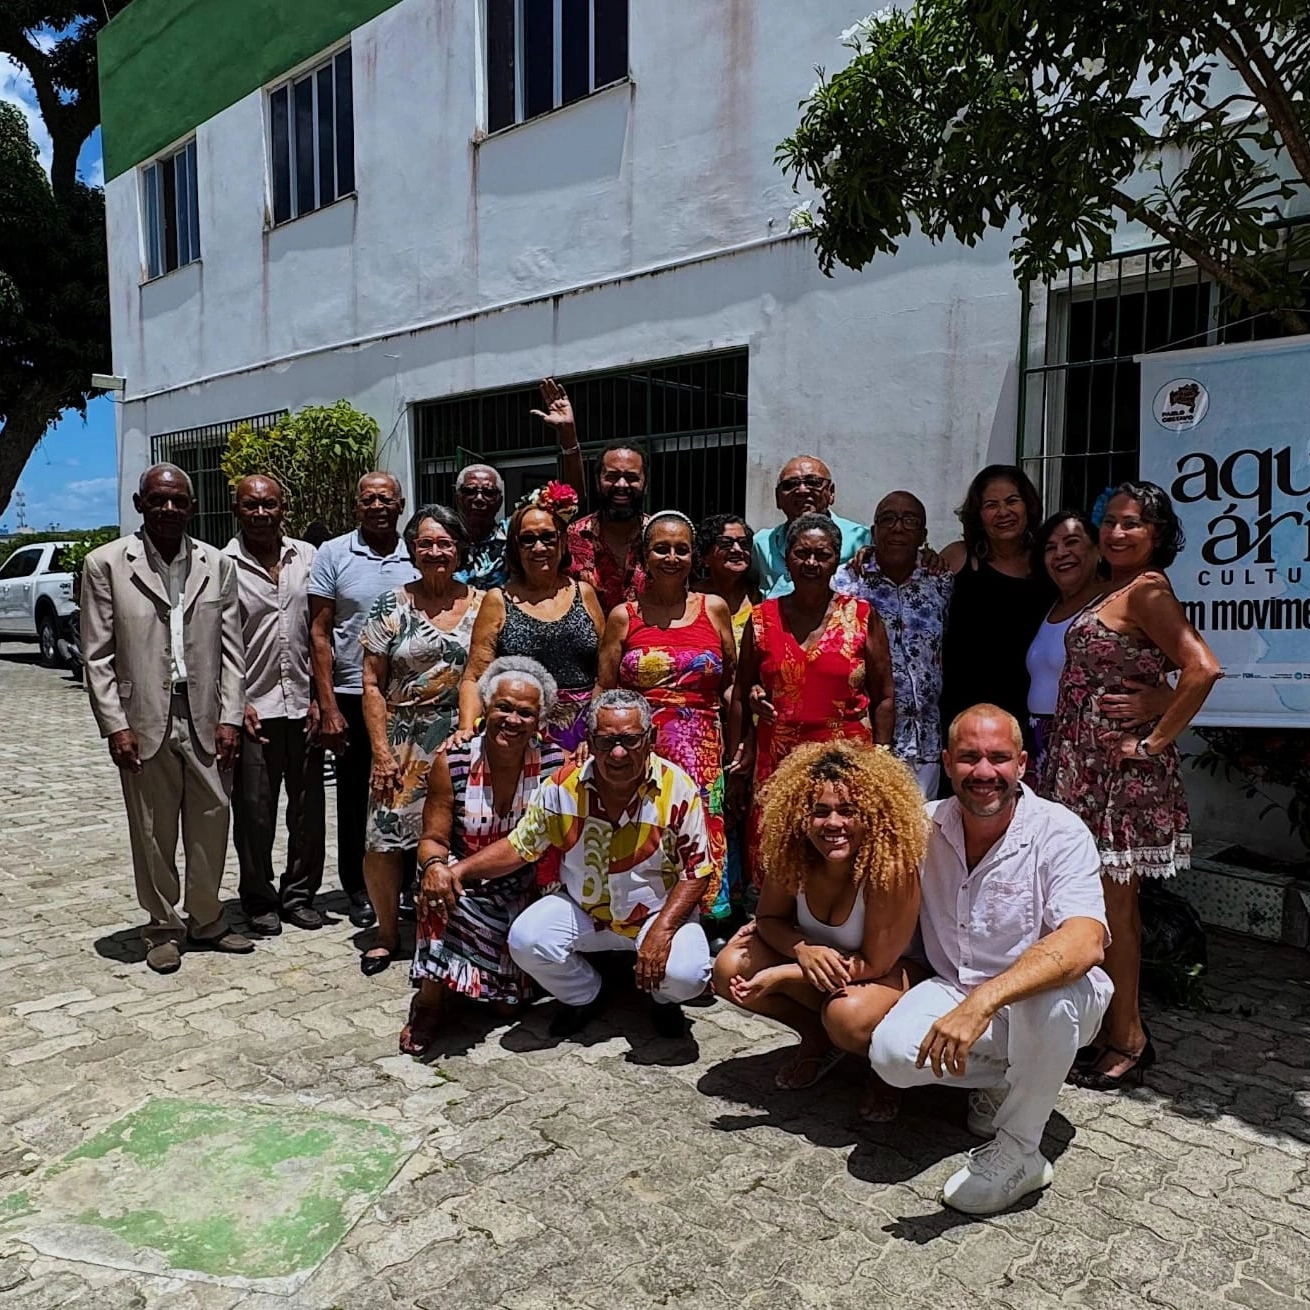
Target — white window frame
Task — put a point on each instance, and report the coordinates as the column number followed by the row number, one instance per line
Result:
column 184, row 159
column 557, row 70
column 309, row 71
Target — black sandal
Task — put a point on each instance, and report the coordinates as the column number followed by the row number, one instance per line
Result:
column 371, row 964
column 1096, row 1081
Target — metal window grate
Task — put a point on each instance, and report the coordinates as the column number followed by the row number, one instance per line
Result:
column 198, row 451
column 1078, row 427
column 688, row 416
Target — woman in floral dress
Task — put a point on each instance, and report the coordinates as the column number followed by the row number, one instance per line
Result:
column 416, row 642
column 823, row 662
column 677, row 649
column 1126, row 783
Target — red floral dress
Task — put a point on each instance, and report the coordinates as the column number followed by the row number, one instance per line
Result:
column 817, row 694
column 1136, row 808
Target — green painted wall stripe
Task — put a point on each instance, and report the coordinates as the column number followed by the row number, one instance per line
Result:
column 168, row 65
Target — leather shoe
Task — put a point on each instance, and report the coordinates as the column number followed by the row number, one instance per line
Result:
column 571, row 1019
column 303, row 916
column 164, row 957
column 361, row 911
column 229, row 943
column 265, row 924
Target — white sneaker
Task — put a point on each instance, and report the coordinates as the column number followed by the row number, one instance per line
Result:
column 984, row 1103
column 996, row 1177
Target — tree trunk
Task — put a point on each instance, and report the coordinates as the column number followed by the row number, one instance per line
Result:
column 29, row 417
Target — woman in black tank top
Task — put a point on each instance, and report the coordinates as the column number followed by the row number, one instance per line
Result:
column 543, row 613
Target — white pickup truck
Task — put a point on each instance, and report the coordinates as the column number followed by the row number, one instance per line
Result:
column 35, row 590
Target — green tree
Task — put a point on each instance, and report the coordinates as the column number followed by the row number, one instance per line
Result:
column 318, row 454
column 54, row 300
column 1067, row 118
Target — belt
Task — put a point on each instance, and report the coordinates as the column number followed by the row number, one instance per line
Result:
column 178, row 688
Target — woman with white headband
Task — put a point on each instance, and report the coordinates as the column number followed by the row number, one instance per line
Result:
column 676, row 647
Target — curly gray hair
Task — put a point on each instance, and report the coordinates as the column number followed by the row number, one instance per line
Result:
column 519, row 666
column 618, row 698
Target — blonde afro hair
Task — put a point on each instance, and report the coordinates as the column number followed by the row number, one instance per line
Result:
column 882, row 789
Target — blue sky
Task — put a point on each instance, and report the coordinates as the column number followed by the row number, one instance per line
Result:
column 71, row 478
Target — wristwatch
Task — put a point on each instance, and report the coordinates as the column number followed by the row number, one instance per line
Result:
column 1141, row 750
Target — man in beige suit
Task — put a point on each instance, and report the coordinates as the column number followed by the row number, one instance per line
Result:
column 165, row 669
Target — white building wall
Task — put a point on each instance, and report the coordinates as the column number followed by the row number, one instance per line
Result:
column 913, row 360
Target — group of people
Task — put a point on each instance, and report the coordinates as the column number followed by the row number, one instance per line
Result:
column 719, row 751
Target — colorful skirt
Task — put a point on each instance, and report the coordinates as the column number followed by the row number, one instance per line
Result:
column 567, row 727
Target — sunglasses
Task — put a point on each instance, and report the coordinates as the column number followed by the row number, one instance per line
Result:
column 479, row 493
column 732, row 543
column 538, row 538
column 387, row 502
column 810, row 483
column 605, row 742
column 890, row 518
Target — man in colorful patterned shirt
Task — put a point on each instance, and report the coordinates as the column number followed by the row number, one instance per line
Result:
column 634, row 859
column 912, row 600
column 605, row 547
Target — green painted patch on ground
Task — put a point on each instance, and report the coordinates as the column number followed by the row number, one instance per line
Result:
column 242, row 1194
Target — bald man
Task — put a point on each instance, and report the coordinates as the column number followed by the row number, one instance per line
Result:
column 165, row 670
column 281, row 718
column 804, row 487
column 349, row 573
column 1013, row 922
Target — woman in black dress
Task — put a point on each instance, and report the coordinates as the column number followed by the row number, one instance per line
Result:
column 998, row 602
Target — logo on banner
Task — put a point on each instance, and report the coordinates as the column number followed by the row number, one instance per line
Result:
column 1180, row 405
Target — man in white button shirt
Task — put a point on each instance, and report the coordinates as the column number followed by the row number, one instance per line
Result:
column 1013, row 922
column 281, row 718
column 161, row 636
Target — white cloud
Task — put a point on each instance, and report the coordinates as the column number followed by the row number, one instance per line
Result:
column 84, row 503
column 16, row 89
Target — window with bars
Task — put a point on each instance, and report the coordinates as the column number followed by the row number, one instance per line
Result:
column 198, row 453
column 171, row 208
column 311, row 128
column 687, row 416
column 542, row 54
column 1079, row 410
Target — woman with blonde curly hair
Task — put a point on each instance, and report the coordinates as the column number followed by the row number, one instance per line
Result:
column 842, row 835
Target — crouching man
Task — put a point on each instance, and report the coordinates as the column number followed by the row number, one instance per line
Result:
column 1013, row 922
column 629, row 831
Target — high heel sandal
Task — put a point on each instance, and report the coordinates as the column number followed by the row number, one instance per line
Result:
column 421, row 1028
column 1096, row 1081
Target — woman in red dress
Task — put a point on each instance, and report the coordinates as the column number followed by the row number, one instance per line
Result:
column 822, row 662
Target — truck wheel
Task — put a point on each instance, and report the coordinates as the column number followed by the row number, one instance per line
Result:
column 47, row 633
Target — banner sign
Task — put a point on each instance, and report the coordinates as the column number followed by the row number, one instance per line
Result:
column 1226, row 432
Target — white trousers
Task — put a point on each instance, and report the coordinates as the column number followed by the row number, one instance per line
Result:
column 1028, row 1047
column 929, row 777
column 548, row 940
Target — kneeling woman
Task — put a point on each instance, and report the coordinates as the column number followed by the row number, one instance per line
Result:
column 843, row 832
column 477, row 793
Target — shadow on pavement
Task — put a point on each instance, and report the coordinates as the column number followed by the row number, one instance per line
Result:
column 126, row 946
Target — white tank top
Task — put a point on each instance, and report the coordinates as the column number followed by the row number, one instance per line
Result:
column 1045, row 662
column 848, row 936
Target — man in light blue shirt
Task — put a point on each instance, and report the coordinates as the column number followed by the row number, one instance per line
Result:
column 804, row 487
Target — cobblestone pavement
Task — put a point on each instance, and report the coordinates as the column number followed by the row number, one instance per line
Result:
column 622, row 1171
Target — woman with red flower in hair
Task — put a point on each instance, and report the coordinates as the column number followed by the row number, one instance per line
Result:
column 542, row 613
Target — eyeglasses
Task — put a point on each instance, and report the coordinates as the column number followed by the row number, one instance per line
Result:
column 604, row 742
column 479, row 493
column 730, row 544
column 810, row 482
column 539, row 539
column 446, row 547
column 387, row 502
column 890, row 518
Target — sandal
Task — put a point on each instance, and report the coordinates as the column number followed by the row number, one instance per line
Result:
column 421, row 1028
column 1096, row 1081
column 823, row 1065
column 374, row 960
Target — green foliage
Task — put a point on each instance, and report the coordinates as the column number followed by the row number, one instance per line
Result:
column 1066, row 118
column 84, row 540
column 317, row 454
column 1255, row 757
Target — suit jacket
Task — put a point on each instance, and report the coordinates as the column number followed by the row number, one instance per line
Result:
column 126, row 642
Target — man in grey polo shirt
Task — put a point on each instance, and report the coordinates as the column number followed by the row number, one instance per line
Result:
column 350, row 572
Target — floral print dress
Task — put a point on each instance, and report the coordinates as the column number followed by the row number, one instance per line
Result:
column 424, row 666
column 1136, row 808
column 817, row 694
column 680, row 672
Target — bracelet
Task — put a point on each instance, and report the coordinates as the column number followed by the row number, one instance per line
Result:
column 883, row 746
column 430, row 861
column 570, row 450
